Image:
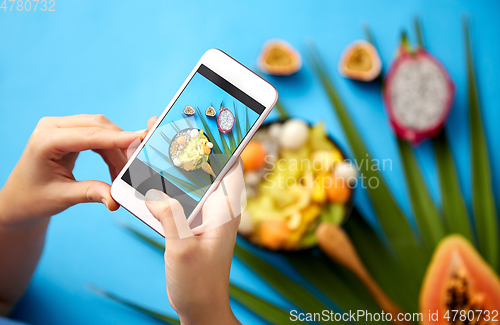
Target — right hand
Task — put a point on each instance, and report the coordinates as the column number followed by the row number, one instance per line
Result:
column 197, row 266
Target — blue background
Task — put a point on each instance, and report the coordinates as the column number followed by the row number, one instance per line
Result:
column 126, row 59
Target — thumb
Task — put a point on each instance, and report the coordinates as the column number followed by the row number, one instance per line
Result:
column 90, row 191
column 170, row 213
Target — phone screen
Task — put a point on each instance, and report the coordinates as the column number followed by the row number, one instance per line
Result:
column 195, row 139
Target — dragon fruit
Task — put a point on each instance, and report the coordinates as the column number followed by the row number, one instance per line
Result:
column 225, row 121
column 418, row 94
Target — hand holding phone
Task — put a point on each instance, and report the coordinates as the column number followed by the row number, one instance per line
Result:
column 197, row 268
column 197, row 138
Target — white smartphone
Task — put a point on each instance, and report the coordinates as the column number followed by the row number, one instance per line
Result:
column 197, row 138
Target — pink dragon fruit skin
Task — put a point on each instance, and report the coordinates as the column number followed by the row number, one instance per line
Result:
column 413, row 123
column 225, row 116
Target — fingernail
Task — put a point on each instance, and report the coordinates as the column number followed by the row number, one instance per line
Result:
column 154, row 196
column 130, row 135
column 141, row 131
column 103, row 200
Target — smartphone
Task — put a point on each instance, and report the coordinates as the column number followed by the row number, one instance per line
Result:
column 197, row 138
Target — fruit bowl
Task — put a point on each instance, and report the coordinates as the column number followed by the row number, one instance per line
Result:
column 296, row 177
column 189, row 149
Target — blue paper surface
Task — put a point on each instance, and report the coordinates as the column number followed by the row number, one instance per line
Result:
column 126, row 59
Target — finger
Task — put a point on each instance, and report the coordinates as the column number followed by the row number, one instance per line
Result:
column 82, row 120
column 61, row 141
column 213, row 227
column 170, row 214
column 232, row 187
column 114, row 158
column 233, row 180
column 229, row 229
column 226, row 202
column 217, row 211
column 90, row 191
column 133, row 147
column 151, row 122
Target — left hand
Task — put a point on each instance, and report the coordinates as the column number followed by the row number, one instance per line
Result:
column 42, row 183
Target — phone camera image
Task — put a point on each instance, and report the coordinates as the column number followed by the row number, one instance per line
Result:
column 194, row 140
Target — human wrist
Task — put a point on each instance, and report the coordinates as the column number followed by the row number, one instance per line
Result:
column 13, row 218
column 209, row 316
column 226, row 319
column 5, row 215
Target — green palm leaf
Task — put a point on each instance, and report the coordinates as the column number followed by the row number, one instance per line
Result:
column 232, row 141
column 427, row 215
column 368, row 34
column 247, row 120
column 204, row 176
column 390, row 216
column 418, row 32
column 387, row 270
column 340, row 286
column 260, row 307
column 164, row 136
column 148, row 240
column 225, row 148
column 281, row 283
column 369, row 37
column 482, row 191
column 191, row 177
column 176, row 128
column 162, row 317
column 216, row 149
column 454, row 208
column 281, row 111
column 216, row 165
column 188, row 187
column 425, row 211
column 186, row 119
column 185, row 185
column 237, row 124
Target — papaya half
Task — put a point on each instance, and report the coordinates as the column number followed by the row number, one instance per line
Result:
column 458, row 279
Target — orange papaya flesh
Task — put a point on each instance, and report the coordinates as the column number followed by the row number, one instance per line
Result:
column 459, row 279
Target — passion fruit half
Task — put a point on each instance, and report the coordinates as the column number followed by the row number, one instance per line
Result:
column 278, row 57
column 360, row 61
column 188, row 110
column 210, row 112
